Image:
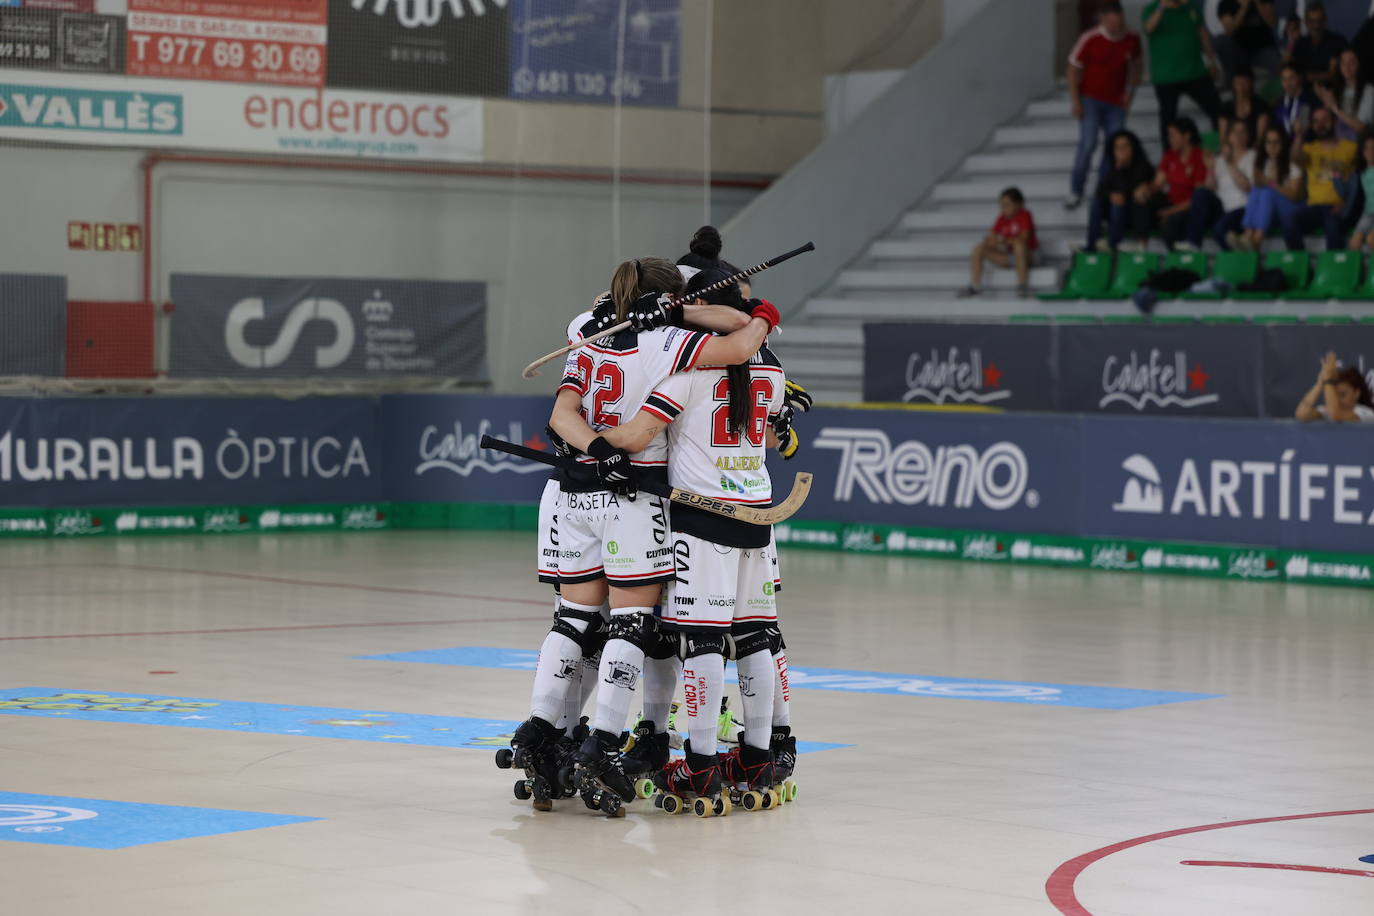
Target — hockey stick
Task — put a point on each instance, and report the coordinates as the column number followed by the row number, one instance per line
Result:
column 533, row 368
column 753, row 515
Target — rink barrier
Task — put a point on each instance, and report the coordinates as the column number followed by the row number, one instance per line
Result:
column 1218, row 561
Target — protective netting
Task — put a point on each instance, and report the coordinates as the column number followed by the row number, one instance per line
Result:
column 306, row 195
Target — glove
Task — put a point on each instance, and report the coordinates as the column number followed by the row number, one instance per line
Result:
column 650, row 311
column 560, row 446
column 788, row 441
column 613, row 468
column 798, row 397
column 762, row 308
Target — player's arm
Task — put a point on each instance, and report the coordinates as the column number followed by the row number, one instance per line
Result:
column 739, row 346
column 722, row 319
column 635, row 436
column 567, row 420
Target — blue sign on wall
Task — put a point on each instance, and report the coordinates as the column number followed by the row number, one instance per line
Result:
column 569, row 50
column 98, row 823
column 1079, row 695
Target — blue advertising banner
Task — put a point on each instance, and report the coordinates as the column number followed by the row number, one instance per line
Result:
column 187, row 451
column 1293, row 358
column 33, row 322
column 1010, row 367
column 992, row 472
column 98, row 823
column 261, row 327
column 432, row 453
column 1276, row 484
column 569, row 49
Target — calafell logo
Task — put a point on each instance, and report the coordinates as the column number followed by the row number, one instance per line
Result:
column 415, row 14
column 1155, row 380
column 950, row 377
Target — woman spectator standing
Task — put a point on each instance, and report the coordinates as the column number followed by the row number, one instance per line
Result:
column 1349, row 97
column 1220, row 204
column 1340, row 396
column 1120, row 192
column 1244, row 106
column 1275, row 190
column 1181, row 170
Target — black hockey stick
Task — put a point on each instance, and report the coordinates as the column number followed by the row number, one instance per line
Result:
column 533, row 368
column 753, row 515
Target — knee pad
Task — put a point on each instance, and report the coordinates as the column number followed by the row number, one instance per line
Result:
column 587, row 638
column 747, row 639
column 667, row 643
column 699, row 642
column 639, row 630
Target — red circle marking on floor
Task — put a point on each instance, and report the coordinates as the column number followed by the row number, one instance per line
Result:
column 1060, row 886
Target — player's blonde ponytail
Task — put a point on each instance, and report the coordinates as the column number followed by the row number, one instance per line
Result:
column 633, row 279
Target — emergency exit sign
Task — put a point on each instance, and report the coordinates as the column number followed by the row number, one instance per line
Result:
column 82, row 236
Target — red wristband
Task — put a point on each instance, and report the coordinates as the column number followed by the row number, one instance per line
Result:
column 768, row 312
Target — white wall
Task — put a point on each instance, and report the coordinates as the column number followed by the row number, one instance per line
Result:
column 957, row 12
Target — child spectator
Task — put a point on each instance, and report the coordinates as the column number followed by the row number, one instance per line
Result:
column 1340, row 396
column 1121, row 193
column 1363, row 235
column 1181, row 170
column 1220, row 204
column 1104, row 71
column 1275, row 190
column 1011, row 243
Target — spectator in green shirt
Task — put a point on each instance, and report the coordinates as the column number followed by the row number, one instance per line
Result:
column 1182, row 60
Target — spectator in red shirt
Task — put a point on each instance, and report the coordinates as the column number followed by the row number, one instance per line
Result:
column 1104, row 71
column 1181, row 171
column 1011, row 243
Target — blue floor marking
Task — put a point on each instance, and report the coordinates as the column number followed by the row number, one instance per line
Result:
column 1037, row 694
column 96, row 823
column 272, row 719
column 266, row 718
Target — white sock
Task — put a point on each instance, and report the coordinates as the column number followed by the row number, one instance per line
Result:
column 756, row 675
column 703, row 682
column 559, row 658
column 661, row 676
column 621, row 666
column 782, row 699
column 572, row 701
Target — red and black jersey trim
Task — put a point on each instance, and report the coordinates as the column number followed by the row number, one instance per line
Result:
column 574, row 384
column 662, row 406
column 690, row 351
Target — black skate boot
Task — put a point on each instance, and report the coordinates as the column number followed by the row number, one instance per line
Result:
column 698, row 778
column 784, row 748
column 648, row 755
column 533, row 748
column 563, row 756
column 750, row 777
column 599, row 776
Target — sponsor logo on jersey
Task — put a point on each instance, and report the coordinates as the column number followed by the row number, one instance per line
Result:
column 612, row 547
column 1156, row 380
column 739, row 462
column 1258, row 490
column 950, row 377
column 911, row 473
column 684, row 600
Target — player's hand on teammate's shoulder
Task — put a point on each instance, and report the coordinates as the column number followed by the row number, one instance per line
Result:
column 613, row 468
column 764, row 310
column 651, row 311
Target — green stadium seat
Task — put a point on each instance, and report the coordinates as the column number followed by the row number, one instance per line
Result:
column 1336, row 277
column 1329, row 319
column 1275, row 319
column 1131, row 271
column 1196, row 261
column 1088, row 278
column 1211, row 141
column 1235, row 267
column 1295, row 267
column 1365, row 290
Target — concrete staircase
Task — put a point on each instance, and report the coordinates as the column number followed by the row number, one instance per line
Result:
column 913, row 271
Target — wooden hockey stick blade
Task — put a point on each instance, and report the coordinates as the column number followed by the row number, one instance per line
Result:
column 532, row 370
column 752, row 515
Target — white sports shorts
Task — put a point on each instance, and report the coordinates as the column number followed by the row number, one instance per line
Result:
column 601, row 534
column 718, row 586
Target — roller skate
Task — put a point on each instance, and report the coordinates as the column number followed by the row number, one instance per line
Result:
column 645, row 754
column 784, row 748
column 695, row 781
column 563, row 758
column 750, row 777
column 533, row 748
column 599, row 777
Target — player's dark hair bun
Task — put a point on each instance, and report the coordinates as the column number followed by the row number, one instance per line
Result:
column 706, row 243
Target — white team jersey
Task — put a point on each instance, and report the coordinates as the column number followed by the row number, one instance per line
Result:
column 707, row 458
column 615, row 375
column 575, row 327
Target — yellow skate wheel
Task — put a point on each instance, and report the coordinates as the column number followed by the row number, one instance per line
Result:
column 672, row 804
column 644, row 788
column 723, row 806
column 752, row 800
column 789, row 791
column 774, row 798
column 703, row 807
